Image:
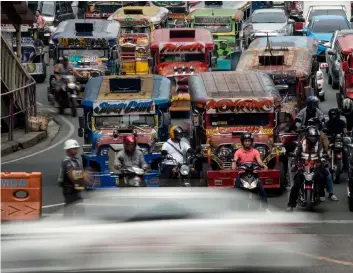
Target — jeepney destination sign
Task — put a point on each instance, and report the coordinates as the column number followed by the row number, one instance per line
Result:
column 207, row 20
column 181, row 48
column 240, row 105
column 123, row 107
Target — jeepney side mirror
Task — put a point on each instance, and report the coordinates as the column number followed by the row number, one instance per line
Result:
column 213, row 61
column 150, row 61
column 81, row 122
column 52, row 53
column 166, row 119
column 331, row 52
column 308, row 91
column 345, row 67
column 282, row 86
column 114, row 54
column 80, row 132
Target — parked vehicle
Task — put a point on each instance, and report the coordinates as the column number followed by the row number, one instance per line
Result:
column 267, row 22
column 322, row 28
column 333, row 58
column 226, row 28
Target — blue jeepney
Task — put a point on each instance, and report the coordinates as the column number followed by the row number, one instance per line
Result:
column 90, row 46
column 116, row 106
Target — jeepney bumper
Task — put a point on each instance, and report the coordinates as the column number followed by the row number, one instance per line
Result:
column 226, row 178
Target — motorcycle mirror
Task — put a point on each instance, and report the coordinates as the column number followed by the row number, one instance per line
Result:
column 295, row 143
column 80, row 132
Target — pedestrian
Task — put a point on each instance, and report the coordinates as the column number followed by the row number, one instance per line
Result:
column 72, row 177
column 40, row 20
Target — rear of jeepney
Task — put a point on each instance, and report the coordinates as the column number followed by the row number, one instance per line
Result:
column 101, row 9
column 225, row 26
column 134, row 51
column 223, row 132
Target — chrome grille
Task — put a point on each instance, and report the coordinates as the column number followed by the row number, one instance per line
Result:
column 227, row 165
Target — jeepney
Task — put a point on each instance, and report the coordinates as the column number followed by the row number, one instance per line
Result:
column 179, row 53
column 32, row 49
column 101, row 9
column 178, row 10
column 344, row 51
column 90, row 46
column 137, row 25
column 226, row 26
column 223, row 106
column 118, row 105
column 294, row 9
column 291, row 62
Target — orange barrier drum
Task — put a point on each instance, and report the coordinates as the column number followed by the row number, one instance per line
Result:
column 21, row 196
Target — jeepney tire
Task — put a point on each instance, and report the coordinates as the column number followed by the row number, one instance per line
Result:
column 73, row 107
column 41, row 78
column 329, row 79
column 203, row 178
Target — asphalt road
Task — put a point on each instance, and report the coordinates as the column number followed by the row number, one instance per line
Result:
column 335, row 228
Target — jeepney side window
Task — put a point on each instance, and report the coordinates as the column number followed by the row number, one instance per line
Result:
column 57, row 9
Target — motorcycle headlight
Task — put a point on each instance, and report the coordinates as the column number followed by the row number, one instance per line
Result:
column 338, row 145
column 71, row 85
column 309, row 176
column 135, row 182
column 249, row 185
column 184, row 170
column 319, row 76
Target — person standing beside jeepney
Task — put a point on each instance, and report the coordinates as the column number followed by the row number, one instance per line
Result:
column 72, row 177
column 40, row 20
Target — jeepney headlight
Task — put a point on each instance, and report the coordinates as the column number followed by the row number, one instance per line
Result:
column 104, row 152
column 262, row 151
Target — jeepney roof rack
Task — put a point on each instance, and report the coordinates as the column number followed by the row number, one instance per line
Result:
column 84, row 29
column 185, row 33
column 125, row 85
column 269, row 60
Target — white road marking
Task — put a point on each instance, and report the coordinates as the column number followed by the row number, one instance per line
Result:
column 53, row 205
column 71, row 132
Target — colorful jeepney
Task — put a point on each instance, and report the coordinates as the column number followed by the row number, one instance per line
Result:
column 225, row 25
column 289, row 60
column 294, row 9
column 179, row 53
column 89, row 45
column 178, row 10
column 227, row 104
column 137, row 25
column 118, row 105
column 101, row 9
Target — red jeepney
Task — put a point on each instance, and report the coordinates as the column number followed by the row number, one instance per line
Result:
column 179, row 53
column 224, row 106
column 345, row 51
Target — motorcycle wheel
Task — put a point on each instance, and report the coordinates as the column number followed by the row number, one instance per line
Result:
column 73, row 107
column 308, row 193
column 337, row 174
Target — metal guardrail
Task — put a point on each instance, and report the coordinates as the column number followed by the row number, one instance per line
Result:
column 18, row 93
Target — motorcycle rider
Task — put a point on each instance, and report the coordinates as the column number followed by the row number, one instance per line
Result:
column 248, row 154
column 347, row 111
column 177, row 147
column 130, row 156
column 72, row 177
column 310, row 111
column 310, row 147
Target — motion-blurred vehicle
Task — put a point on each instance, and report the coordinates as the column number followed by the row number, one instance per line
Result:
column 322, row 28
column 350, row 179
column 158, row 229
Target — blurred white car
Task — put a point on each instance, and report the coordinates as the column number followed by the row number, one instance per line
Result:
column 158, row 229
column 320, row 91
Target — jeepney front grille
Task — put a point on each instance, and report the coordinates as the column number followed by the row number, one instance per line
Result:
column 182, row 83
column 227, row 165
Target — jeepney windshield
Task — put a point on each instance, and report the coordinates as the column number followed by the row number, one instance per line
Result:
column 124, row 121
column 171, row 58
column 84, row 55
column 131, row 30
column 215, row 28
column 48, row 8
column 240, row 119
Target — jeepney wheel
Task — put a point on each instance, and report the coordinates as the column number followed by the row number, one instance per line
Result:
column 203, row 178
column 41, row 78
column 329, row 79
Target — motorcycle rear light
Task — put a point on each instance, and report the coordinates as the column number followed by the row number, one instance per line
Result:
column 308, row 187
column 241, row 171
column 339, row 155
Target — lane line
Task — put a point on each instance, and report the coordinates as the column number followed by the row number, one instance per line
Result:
column 324, row 258
column 53, row 205
column 71, row 132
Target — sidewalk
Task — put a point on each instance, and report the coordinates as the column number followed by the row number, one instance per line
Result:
column 24, row 141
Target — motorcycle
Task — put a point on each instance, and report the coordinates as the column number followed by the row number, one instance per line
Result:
column 249, row 180
column 350, row 179
column 336, row 147
column 132, row 177
column 67, row 97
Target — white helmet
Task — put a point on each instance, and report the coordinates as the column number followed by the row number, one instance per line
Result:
column 347, row 105
column 71, row 144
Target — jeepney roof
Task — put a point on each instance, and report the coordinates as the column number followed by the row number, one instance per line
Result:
column 231, row 84
column 345, row 42
column 114, row 3
column 236, row 14
column 153, row 13
column 101, row 29
column 287, row 41
column 295, row 59
column 152, row 87
column 163, row 36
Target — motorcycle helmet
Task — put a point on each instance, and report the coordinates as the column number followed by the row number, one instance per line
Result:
column 245, row 136
column 334, row 113
column 176, row 132
column 130, row 143
column 312, row 135
column 347, row 106
column 312, row 102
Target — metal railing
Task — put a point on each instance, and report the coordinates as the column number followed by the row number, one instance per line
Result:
column 18, row 94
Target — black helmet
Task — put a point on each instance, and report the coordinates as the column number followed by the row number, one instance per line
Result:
column 245, row 136
column 176, row 132
column 312, row 135
column 312, row 102
column 334, row 113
